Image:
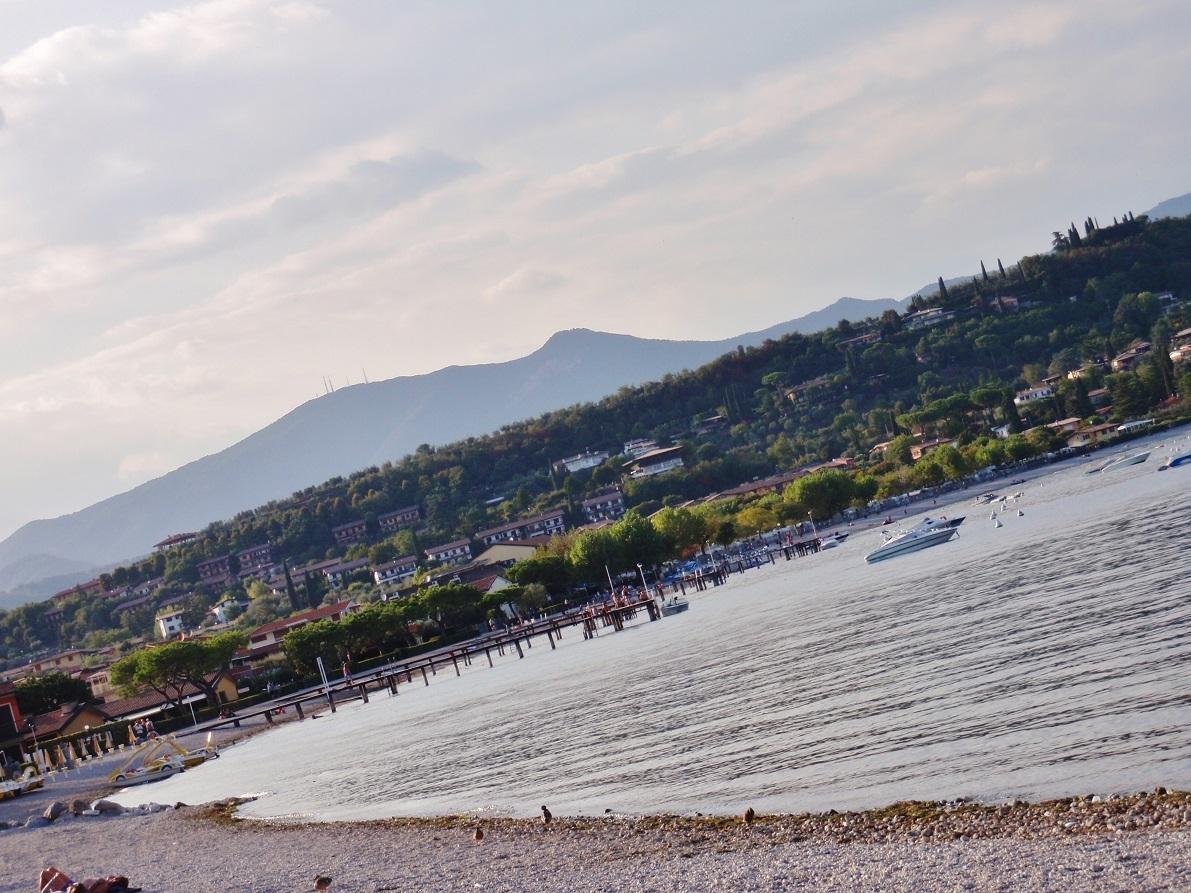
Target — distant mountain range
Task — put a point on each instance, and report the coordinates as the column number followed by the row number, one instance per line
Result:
column 359, row 426
column 1172, row 207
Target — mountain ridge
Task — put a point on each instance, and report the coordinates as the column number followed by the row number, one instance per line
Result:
column 363, row 425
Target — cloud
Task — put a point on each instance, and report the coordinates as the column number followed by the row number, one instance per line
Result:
column 205, row 209
column 526, row 282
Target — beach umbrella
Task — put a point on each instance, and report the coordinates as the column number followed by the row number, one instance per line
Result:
column 131, row 737
column 110, row 744
column 61, row 760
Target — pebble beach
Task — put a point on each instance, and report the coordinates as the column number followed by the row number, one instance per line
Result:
column 1112, row 843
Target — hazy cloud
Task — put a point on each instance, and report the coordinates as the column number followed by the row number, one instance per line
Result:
column 207, row 207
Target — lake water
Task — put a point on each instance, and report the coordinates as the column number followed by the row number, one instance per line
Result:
column 1049, row 657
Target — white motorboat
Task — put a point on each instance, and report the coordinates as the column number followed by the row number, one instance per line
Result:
column 832, row 540
column 1122, row 461
column 929, row 532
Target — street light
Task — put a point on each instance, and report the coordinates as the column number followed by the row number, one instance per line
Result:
column 641, row 571
column 811, row 518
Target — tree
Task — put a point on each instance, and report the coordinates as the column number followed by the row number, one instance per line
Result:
column 42, row 694
column 640, row 542
column 551, row 571
column 303, row 646
column 823, row 494
column 170, row 668
column 681, row 528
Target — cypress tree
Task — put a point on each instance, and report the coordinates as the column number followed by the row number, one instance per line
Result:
column 983, row 272
column 290, row 590
column 943, row 290
column 1001, row 267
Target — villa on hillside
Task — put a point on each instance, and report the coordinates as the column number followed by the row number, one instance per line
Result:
column 656, row 462
column 396, row 570
column 399, row 519
column 1033, row 395
column 582, row 461
column 608, row 506
column 453, row 552
column 1127, row 359
column 173, row 541
column 549, row 524
column 349, row 533
column 266, row 639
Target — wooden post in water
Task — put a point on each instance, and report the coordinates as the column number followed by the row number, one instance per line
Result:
column 520, row 653
column 455, row 662
column 298, row 707
column 331, row 700
column 488, row 654
column 364, row 692
column 550, row 636
column 424, row 679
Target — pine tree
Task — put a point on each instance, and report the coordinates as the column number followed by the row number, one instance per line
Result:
column 943, row 290
column 1001, row 267
column 983, row 272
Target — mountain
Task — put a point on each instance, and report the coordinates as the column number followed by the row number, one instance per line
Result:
column 1179, row 206
column 363, row 425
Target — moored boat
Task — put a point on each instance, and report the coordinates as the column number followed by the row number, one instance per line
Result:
column 676, row 605
column 929, row 532
column 1123, row 461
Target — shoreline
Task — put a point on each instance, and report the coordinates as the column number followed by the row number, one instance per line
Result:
column 1092, row 844
column 1160, row 810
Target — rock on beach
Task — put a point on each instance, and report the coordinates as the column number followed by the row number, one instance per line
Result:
column 1070, row 844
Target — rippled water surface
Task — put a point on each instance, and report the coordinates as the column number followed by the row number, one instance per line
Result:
column 1047, row 657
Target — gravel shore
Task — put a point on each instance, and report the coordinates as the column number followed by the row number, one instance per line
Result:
column 1140, row 842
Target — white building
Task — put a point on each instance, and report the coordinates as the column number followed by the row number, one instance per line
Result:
column 170, row 622
column 639, row 446
column 656, row 462
column 581, row 461
column 1033, row 395
column 396, row 570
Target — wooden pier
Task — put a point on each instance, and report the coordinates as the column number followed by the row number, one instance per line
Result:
column 519, row 639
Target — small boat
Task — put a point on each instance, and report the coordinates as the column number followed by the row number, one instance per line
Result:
column 29, row 780
column 985, row 498
column 833, row 540
column 676, row 605
column 154, row 771
column 1016, row 481
column 929, row 532
column 1176, row 462
column 1122, row 461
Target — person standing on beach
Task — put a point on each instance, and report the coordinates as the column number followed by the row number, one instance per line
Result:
column 347, row 667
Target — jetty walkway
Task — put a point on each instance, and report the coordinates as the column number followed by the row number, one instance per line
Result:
column 591, row 618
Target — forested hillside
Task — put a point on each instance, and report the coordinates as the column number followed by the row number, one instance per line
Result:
column 948, row 369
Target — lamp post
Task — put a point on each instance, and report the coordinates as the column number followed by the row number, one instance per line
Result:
column 811, row 518
column 641, row 571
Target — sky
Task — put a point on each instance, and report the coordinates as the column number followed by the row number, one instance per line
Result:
column 207, row 208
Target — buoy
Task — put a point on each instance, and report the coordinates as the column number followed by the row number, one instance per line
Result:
column 992, row 516
column 1020, row 513
column 997, row 522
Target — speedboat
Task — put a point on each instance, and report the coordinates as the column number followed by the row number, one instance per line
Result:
column 674, row 606
column 928, row 532
column 985, row 498
column 1122, row 461
column 832, row 540
column 1176, row 462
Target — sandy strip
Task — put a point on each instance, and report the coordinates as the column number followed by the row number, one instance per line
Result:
column 199, row 849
